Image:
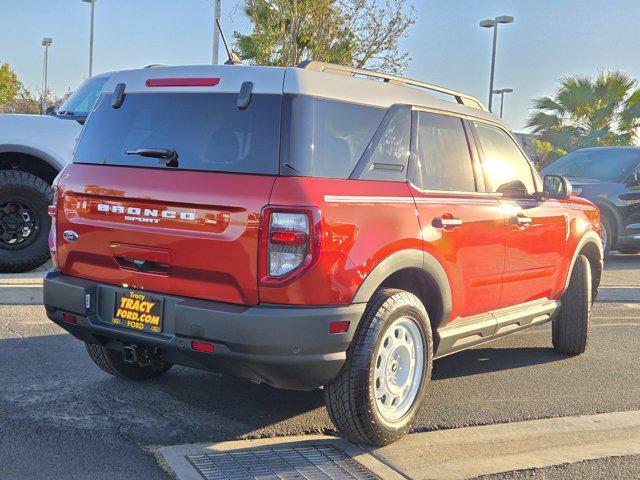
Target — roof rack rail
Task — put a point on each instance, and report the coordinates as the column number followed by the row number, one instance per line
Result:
column 461, row 98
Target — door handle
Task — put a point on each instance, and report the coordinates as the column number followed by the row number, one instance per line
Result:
column 521, row 221
column 446, row 222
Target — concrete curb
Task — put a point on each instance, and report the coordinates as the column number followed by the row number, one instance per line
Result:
column 23, row 290
column 457, row 453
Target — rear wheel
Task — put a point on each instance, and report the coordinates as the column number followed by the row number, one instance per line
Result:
column 24, row 222
column 570, row 330
column 381, row 386
column 629, row 251
column 111, row 361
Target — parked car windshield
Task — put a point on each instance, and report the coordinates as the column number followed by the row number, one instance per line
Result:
column 207, row 131
column 607, row 165
column 84, row 98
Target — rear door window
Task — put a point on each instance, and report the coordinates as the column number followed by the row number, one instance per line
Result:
column 207, row 131
column 443, row 156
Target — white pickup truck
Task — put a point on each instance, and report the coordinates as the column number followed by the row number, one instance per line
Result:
column 33, row 150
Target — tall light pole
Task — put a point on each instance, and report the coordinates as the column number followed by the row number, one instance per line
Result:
column 93, row 12
column 46, row 43
column 501, row 92
column 494, row 24
column 217, row 5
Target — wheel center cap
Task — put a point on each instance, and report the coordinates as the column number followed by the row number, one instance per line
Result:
column 13, row 222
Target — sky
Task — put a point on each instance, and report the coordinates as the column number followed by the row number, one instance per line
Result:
column 548, row 40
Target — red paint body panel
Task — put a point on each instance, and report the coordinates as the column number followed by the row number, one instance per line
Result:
column 356, row 235
column 214, row 256
column 209, row 241
column 472, row 254
column 535, row 252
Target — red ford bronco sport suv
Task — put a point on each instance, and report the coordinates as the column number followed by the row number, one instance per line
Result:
column 310, row 226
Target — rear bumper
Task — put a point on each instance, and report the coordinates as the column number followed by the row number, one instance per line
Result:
column 287, row 347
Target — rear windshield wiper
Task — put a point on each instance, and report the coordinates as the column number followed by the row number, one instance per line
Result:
column 165, row 155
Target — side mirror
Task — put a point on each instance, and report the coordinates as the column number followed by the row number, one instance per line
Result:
column 634, row 179
column 557, row 186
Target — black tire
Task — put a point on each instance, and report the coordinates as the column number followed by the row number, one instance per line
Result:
column 629, row 251
column 350, row 398
column 111, row 362
column 36, row 195
column 570, row 330
column 611, row 234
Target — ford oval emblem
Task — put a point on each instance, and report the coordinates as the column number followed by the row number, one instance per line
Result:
column 70, row 236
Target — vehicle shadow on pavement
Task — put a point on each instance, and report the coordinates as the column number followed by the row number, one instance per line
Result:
column 485, row 360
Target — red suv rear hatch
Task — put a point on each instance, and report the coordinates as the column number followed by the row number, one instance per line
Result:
column 192, row 234
column 187, row 227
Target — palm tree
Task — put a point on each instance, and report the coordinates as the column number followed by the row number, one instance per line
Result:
column 589, row 112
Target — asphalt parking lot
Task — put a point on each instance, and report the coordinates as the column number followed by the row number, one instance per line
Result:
column 62, row 417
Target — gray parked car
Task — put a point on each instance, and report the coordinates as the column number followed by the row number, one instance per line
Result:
column 610, row 178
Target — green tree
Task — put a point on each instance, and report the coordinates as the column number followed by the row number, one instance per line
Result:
column 358, row 33
column 589, row 112
column 10, row 86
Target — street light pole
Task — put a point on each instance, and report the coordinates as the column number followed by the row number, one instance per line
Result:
column 217, row 6
column 494, row 24
column 93, row 11
column 46, row 43
column 501, row 92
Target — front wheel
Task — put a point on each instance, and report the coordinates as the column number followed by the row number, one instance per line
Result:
column 381, row 386
column 608, row 235
column 570, row 330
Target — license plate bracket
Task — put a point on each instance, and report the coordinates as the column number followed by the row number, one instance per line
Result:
column 138, row 311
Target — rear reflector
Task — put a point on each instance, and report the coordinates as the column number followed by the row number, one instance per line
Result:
column 202, row 347
column 338, row 327
column 67, row 317
column 182, row 82
column 288, row 237
column 51, row 210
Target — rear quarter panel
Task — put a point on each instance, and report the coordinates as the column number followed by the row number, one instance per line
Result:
column 359, row 229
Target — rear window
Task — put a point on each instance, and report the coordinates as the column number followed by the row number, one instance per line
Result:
column 207, row 131
column 326, row 138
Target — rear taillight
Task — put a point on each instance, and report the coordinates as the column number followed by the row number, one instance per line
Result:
column 290, row 243
column 53, row 244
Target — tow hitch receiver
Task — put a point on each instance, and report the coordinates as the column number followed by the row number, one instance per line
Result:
column 141, row 356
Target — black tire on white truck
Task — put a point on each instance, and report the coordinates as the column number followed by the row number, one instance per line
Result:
column 24, row 222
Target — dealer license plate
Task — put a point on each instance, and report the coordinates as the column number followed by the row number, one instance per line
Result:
column 138, row 311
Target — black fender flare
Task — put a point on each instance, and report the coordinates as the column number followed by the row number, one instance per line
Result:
column 410, row 258
column 45, row 157
column 589, row 238
column 610, row 211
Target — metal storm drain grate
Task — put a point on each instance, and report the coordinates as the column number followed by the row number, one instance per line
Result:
column 320, row 462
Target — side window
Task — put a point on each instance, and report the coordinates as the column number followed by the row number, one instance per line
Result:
column 505, row 166
column 387, row 155
column 442, row 154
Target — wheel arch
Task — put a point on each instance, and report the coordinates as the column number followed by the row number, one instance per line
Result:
column 30, row 160
column 610, row 211
column 417, row 272
column 590, row 246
